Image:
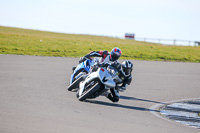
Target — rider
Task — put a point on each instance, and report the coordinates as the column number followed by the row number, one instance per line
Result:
column 125, row 70
column 114, row 55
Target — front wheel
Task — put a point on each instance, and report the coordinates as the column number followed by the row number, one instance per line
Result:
column 89, row 91
column 75, row 84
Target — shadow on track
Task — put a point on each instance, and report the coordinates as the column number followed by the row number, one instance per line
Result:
column 138, row 99
column 120, row 105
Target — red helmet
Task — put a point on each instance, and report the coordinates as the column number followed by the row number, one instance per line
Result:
column 115, row 54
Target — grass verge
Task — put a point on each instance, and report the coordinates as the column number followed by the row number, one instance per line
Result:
column 33, row 42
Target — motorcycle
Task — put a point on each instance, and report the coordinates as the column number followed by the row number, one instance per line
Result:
column 98, row 82
column 80, row 72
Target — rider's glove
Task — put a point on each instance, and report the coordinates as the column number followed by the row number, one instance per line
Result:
column 82, row 59
column 121, row 88
column 96, row 64
column 95, row 67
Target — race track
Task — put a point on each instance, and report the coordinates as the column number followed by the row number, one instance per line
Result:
column 34, row 98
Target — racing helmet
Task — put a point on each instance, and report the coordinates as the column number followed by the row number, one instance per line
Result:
column 127, row 67
column 115, row 54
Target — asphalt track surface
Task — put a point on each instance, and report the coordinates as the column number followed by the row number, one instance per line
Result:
column 34, row 98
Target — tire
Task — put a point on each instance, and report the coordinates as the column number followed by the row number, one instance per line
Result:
column 75, row 83
column 77, row 94
column 89, row 91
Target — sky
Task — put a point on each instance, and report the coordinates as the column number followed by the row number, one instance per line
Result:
column 163, row 19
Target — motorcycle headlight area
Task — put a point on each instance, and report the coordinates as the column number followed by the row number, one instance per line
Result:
column 112, row 71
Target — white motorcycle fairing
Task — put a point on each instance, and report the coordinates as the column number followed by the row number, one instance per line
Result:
column 104, row 77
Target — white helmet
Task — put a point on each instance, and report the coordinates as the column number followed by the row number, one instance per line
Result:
column 127, row 67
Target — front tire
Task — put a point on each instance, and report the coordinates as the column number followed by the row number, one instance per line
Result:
column 75, row 84
column 89, row 91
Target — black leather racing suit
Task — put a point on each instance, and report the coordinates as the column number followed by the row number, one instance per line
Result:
column 126, row 80
column 105, row 56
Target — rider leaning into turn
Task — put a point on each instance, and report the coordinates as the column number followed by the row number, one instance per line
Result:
column 124, row 70
column 114, row 55
column 125, row 75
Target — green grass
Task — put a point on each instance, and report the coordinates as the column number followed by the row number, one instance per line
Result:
column 32, row 42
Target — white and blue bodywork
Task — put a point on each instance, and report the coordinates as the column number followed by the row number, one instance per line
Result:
column 81, row 68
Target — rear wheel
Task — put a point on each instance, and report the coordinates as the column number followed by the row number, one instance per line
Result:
column 89, row 90
column 75, row 84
